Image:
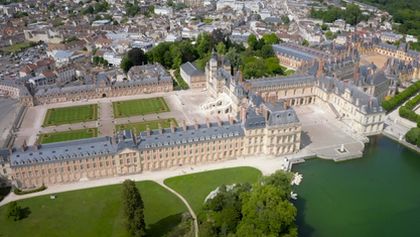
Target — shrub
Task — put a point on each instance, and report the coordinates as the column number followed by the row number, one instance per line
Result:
column 413, row 136
column 395, row 101
column 18, row 191
column 407, row 111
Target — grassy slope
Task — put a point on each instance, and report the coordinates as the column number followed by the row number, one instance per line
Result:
column 93, row 212
column 68, row 135
column 73, row 114
column 139, row 107
column 196, row 187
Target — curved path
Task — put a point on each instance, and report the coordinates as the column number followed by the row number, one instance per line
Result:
column 194, row 216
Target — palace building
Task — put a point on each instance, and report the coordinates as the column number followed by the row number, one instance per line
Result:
column 265, row 122
column 269, row 129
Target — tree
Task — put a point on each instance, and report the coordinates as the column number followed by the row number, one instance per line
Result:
column 132, row 9
column 270, row 39
column 204, row 44
column 413, row 136
column 252, row 41
column 221, row 48
column 234, row 57
column 14, row 211
column 329, row 35
column 134, row 57
column 126, row 64
column 267, row 51
column 133, row 209
column 305, row 42
column 266, row 213
column 137, row 56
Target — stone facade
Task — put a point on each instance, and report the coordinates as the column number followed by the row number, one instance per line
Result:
column 263, row 130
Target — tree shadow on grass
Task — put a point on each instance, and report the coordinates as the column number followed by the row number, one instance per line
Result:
column 304, row 229
column 25, row 212
column 164, row 225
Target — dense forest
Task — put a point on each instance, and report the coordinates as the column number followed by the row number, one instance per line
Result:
column 406, row 13
column 351, row 15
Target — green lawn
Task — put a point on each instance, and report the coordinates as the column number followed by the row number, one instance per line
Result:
column 142, row 126
column 93, row 212
column 73, row 114
column 67, row 135
column 196, row 187
column 139, row 107
column 15, row 48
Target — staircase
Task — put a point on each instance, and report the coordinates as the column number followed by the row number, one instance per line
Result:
column 338, row 115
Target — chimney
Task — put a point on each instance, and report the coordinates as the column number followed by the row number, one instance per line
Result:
column 24, row 145
column 356, row 72
column 320, row 71
column 160, row 128
column 231, row 121
column 148, row 130
column 184, row 125
column 219, row 121
column 195, row 124
column 36, row 146
column 243, row 114
column 172, row 126
column 208, row 122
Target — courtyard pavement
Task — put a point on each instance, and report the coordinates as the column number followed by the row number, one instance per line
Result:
column 184, row 105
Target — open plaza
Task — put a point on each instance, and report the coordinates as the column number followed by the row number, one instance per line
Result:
column 109, row 115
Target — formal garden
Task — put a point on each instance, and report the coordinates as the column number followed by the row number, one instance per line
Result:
column 67, row 135
column 142, row 126
column 72, row 114
column 129, row 108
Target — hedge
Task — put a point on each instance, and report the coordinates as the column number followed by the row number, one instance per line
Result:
column 407, row 111
column 22, row 192
column 398, row 99
column 413, row 136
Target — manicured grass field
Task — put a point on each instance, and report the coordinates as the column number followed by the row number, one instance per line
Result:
column 15, row 48
column 73, row 114
column 196, row 187
column 67, row 135
column 139, row 107
column 142, row 126
column 93, row 212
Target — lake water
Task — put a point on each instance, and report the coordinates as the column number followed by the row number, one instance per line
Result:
column 377, row 195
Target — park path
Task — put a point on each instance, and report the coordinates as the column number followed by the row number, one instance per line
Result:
column 194, row 216
column 105, row 119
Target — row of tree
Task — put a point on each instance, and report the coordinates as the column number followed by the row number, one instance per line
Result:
column 407, row 110
column 352, row 14
column 400, row 98
column 261, row 209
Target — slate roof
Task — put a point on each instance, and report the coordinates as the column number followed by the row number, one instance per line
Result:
column 293, row 80
column 191, row 70
column 70, row 150
column 191, row 135
column 284, row 49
